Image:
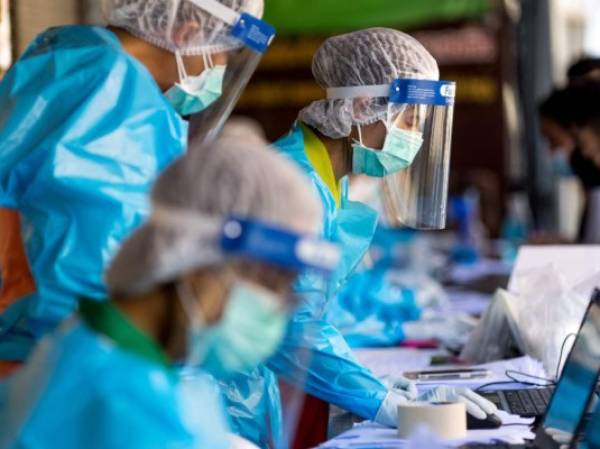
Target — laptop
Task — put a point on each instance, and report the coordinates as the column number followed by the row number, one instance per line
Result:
column 526, row 402
column 565, row 417
column 533, row 402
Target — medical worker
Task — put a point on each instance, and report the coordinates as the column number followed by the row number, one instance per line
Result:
column 89, row 116
column 357, row 129
column 556, row 124
column 204, row 281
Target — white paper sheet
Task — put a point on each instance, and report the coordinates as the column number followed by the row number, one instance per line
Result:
column 471, row 303
column 394, row 361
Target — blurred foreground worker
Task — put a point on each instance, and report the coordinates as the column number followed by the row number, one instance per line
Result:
column 89, row 116
column 204, row 281
column 384, row 107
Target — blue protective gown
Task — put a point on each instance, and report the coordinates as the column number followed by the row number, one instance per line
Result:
column 79, row 389
column 371, row 309
column 84, row 132
column 314, row 356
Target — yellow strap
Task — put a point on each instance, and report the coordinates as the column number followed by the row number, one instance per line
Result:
column 319, row 158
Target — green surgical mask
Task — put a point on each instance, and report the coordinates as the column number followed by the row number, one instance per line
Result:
column 399, row 151
column 251, row 329
column 195, row 93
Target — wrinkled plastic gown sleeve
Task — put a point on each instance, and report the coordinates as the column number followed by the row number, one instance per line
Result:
column 314, row 356
column 85, row 131
column 113, row 395
column 370, row 310
column 253, row 398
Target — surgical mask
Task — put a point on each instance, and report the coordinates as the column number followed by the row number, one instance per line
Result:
column 560, row 164
column 195, row 93
column 399, row 151
column 251, row 329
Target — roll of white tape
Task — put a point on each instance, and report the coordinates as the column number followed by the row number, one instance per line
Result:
column 447, row 421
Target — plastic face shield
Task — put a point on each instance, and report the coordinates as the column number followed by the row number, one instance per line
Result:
column 417, row 196
column 259, row 241
column 251, row 37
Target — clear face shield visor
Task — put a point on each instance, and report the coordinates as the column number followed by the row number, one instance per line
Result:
column 414, row 161
column 255, row 241
column 420, row 115
column 247, row 40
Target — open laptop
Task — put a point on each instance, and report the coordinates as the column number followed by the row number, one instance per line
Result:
column 564, row 420
column 532, row 402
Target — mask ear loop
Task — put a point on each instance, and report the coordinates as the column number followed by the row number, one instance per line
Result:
column 185, row 295
column 207, row 59
column 359, row 135
column 180, row 67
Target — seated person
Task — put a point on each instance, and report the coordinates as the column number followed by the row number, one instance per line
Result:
column 183, row 292
column 556, row 119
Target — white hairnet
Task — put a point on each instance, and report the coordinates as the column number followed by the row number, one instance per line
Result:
column 363, row 58
column 178, row 25
column 193, row 197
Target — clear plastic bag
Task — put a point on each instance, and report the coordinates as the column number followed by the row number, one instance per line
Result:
column 536, row 317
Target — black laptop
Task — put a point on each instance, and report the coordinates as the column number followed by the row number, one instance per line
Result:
column 565, row 417
column 533, row 402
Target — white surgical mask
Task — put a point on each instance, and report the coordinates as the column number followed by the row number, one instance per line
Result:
column 195, row 93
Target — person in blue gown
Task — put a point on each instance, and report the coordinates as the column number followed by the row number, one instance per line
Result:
column 89, row 116
column 186, row 289
column 322, row 143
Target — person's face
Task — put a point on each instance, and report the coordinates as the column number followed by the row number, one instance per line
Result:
column 593, row 75
column 271, row 277
column 559, row 139
column 373, row 135
column 589, row 142
column 211, row 288
column 409, row 117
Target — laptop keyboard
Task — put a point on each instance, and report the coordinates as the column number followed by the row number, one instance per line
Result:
column 527, row 402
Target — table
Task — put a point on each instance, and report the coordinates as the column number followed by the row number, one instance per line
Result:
column 393, row 362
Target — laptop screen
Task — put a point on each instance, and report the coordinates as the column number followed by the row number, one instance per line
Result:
column 578, row 380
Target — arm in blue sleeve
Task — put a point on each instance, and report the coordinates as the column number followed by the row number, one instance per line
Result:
column 314, row 356
column 370, row 310
column 85, row 131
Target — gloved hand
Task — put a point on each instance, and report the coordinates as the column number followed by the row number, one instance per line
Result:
column 402, row 386
column 479, row 407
